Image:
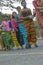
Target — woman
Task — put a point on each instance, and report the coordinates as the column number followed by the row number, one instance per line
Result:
column 26, row 16
column 38, row 4
column 21, row 28
column 6, row 34
column 15, row 31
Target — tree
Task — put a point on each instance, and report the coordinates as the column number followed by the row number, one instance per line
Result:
column 8, row 3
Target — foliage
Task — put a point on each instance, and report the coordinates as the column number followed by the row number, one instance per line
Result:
column 2, row 16
column 8, row 3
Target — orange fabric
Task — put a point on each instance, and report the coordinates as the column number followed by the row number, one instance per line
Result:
column 31, row 32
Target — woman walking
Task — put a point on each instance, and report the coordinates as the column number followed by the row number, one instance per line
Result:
column 26, row 16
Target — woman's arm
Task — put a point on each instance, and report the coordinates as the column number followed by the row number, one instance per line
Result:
column 27, row 17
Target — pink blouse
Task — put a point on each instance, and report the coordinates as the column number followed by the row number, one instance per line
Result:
column 6, row 25
column 14, row 23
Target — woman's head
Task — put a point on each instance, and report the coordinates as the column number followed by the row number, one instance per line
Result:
column 18, row 8
column 6, row 17
column 23, row 3
column 13, row 14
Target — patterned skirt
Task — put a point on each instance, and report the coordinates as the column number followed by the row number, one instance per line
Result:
column 19, row 37
column 31, row 31
column 40, row 20
column 16, row 43
column 24, row 33
column 7, row 39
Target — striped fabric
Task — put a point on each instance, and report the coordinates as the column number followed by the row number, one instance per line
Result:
column 31, row 32
column 39, row 16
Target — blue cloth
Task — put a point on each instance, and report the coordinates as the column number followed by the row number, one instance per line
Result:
column 17, row 19
column 22, row 30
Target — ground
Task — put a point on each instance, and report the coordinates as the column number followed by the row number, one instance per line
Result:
column 32, row 56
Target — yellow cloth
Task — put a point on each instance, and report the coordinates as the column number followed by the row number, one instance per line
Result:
column 15, row 40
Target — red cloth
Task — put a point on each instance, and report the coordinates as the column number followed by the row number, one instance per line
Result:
column 39, row 14
column 14, row 23
column 36, row 3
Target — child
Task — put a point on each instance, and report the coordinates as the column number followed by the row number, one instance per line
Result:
column 16, row 29
column 6, row 35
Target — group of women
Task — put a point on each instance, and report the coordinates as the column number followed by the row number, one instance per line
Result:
column 19, row 30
